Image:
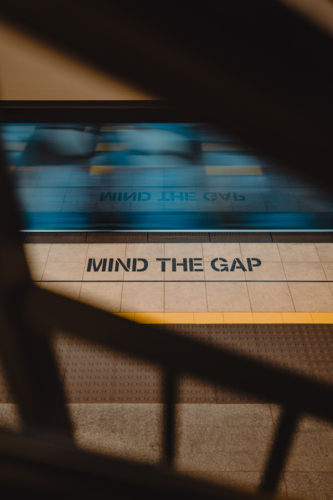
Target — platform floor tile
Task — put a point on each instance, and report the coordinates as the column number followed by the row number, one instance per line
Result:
column 93, row 374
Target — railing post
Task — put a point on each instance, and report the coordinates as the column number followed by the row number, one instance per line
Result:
column 169, row 398
column 279, row 451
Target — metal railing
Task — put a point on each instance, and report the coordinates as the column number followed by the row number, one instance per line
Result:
column 29, row 314
column 43, row 460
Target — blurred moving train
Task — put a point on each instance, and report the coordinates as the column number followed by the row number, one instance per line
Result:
column 153, row 176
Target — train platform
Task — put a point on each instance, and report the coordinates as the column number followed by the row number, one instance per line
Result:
column 203, row 220
column 268, row 301
column 193, row 282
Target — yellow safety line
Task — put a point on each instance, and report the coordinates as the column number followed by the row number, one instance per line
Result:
column 205, row 318
column 100, row 169
column 217, row 170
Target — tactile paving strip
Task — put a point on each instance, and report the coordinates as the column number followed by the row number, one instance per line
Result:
column 89, row 373
column 61, row 344
column 318, row 340
column 136, row 381
column 187, row 237
column 184, row 237
column 116, row 237
column 92, row 374
column 299, row 237
column 191, row 389
column 55, row 238
column 241, row 339
column 235, row 237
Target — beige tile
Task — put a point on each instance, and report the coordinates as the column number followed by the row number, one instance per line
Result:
column 63, row 271
column 181, row 275
column 36, row 269
column 312, row 297
column 10, row 418
column 229, row 297
column 115, row 270
column 106, row 275
column 106, row 251
column 298, row 252
column 148, row 251
column 325, row 251
column 65, row 252
column 106, row 296
column 183, row 250
column 230, row 479
column 270, row 297
column 267, row 271
column 304, row 271
column 223, row 437
column 166, row 265
column 37, row 252
column 310, row 485
column 328, row 269
column 142, row 297
column 152, row 273
column 68, row 289
column 185, row 297
column 264, row 251
column 212, row 275
column 234, row 479
column 184, row 269
column 312, row 447
column 130, row 431
column 227, row 251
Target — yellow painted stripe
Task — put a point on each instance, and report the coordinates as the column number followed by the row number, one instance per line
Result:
column 179, row 318
column 297, row 318
column 233, row 170
column 130, row 316
column 322, row 317
column 149, row 318
column 100, row 169
column 206, row 318
column 237, row 317
column 267, row 318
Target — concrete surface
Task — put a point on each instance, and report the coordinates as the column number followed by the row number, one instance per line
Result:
column 214, row 442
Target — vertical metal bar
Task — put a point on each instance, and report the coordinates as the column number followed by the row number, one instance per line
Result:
column 28, row 359
column 279, row 452
column 169, row 418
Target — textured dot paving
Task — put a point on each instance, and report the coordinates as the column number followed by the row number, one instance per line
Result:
column 93, row 374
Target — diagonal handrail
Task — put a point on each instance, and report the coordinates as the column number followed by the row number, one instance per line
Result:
column 45, row 309
column 57, row 470
column 246, row 100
